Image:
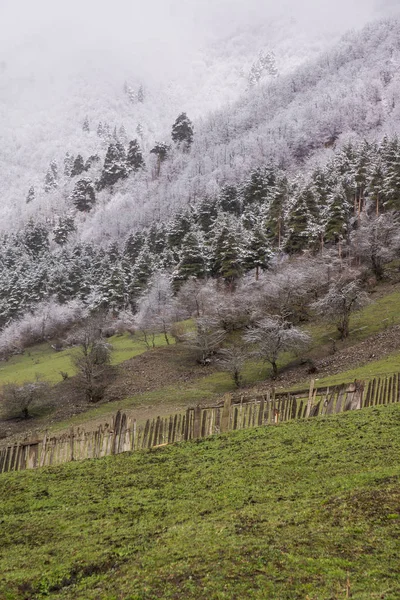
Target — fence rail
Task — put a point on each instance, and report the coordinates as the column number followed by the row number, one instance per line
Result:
column 124, row 434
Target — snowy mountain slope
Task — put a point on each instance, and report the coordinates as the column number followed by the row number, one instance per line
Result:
column 44, row 102
column 351, row 91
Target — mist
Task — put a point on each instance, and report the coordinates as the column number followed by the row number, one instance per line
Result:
column 161, row 36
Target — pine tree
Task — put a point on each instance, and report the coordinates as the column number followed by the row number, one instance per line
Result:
column 83, row 195
column 257, row 252
column 85, row 125
column 337, row 215
column 92, row 160
column 63, row 229
column 228, row 254
column 140, row 131
column 100, row 129
column 182, row 132
column 179, row 227
column 68, row 164
column 114, row 167
column 51, row 179
column 133, row 245
column 78, row 167
column 31, row 195
column 122, row 133
column 206, row 214
column 161, row 150
column 192, row 261
column 298, row 223
column 134, row 159
column 36, row 238
column 230, row 201
column 140, row 94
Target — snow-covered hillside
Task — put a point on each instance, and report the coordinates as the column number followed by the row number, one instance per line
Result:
column 44, row 100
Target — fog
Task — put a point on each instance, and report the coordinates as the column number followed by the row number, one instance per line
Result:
column 152, row 35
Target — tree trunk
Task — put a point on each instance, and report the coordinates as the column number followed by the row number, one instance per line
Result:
column 274, row 370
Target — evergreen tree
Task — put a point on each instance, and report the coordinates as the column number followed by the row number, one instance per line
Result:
column 63, row 229
column 192, row 261
column 134, row 159
column 78, row 167
column 114, row 167
column 68, row 164
column 83, row 195
column 298, row 223
column 161, row 150
column 100, row 129
column 92, row 160
column 228, row 254
column 391, row 187
column 51, row 179
column 257, row 252
column 140, row 94
column 85, row 125
column 259, row 186
column 133, row 245
column 182, row 131
column 31, row 195
column 179, row 227
column 230, row 201
column 206, row 214
column 140, row 131
column 36, row 238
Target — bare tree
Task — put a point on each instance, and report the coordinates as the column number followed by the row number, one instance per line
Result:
column 157, row 310
column 377, row 242
column 206, row 340
column 287, row 293
column 343, row 299
column 232, row 360
column 272, row 336
column 92, row 361
column 19, row 399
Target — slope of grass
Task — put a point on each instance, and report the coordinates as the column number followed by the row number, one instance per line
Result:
column 307, row 509
column 44, row 361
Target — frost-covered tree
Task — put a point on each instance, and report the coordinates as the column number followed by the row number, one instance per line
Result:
column 114, row 167
column 63, row 229
column 273, row 336
column 68, row 164
column 83, row 195
column 36, row 238
column 31, row 195
column 161, row 150
column 376, row 242
column 134, row 158
column 157, row 309
column 140, row 94
column 51, row 179
column 206, row 340
column 78, row 167
column 340, row 302
column 265, row 63
column 86, row 125
column 232, row 361
column 182, row 132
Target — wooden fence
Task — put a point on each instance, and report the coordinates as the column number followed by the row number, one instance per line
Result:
column 124, row 435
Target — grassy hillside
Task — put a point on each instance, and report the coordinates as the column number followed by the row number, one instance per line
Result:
column 44, row 361
column 302, row 510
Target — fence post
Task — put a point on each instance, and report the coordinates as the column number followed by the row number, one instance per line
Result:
column 226, row 413
column 310, row 398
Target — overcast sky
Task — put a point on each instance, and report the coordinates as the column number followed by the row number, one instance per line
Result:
column 156, row 31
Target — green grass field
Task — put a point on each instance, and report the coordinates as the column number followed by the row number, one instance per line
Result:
column 303, row 510
column 44, row 361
